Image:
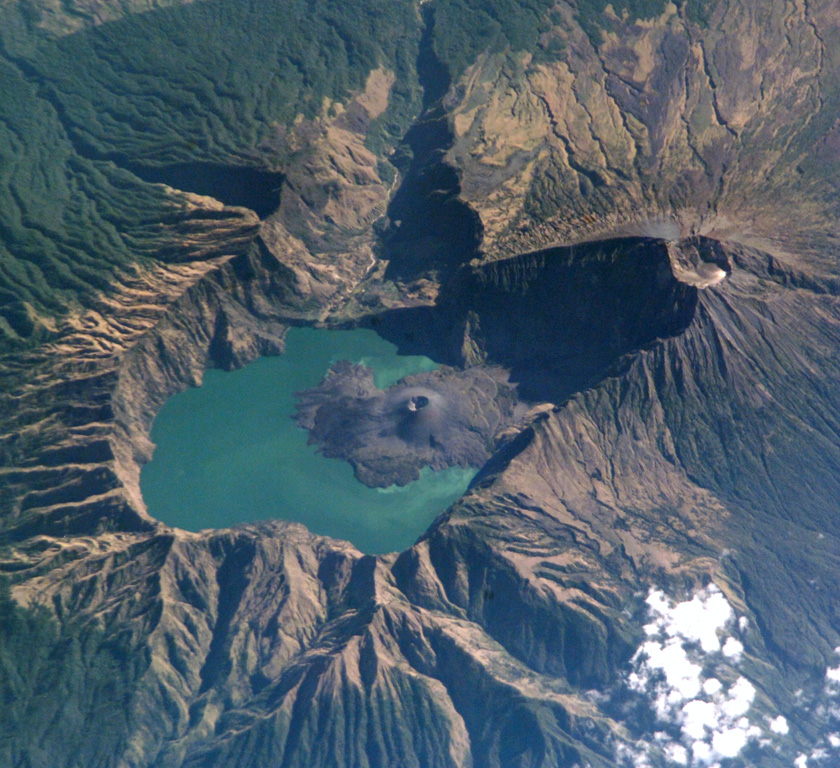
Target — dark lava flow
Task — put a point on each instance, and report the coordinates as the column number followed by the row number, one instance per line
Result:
column 438, row 419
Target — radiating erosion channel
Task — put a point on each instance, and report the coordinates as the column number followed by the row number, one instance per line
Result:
column 231, row 451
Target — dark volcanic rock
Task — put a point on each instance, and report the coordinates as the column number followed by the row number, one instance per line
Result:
column 440, row 419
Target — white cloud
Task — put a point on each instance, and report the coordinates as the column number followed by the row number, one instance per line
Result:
column 677, row 753
column 689, row 669
column 632, row 754
column 685, row 642
column 697, row 717
column 733, row 649
column 702, row 752
column 828, row 710
column 739, row 698
column 729, row 742
column 699, row 619
column 779, row 725
column 682, row 677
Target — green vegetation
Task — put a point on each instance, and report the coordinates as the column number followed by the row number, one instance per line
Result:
column 699, row 11
column 213, row 81
column 466, row 28
column 40, row 662
column 67, row 224
column 404, row 102
column 590, row 13
column 216, row 82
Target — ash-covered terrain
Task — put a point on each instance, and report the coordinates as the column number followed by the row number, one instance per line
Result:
column 440, row 419
column 630, row 208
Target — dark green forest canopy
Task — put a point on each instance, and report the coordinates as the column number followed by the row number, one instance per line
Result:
column 67, row 224
column 212, row 79
column 39, row 658
column 206, row 82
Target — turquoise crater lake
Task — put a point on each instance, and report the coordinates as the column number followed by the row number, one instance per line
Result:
column 229, row 452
